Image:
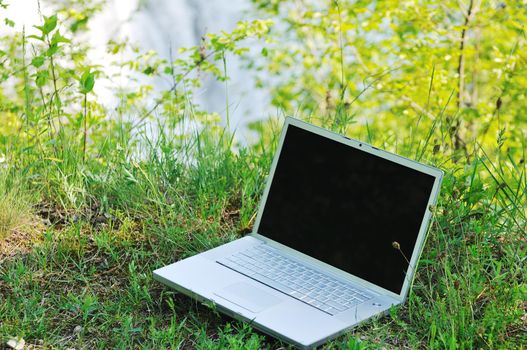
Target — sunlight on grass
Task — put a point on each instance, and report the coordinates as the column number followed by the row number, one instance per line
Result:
column 94, row 198
column 15, row 207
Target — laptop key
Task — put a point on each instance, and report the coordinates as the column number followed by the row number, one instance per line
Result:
column 237, row 268
column 335, row 305
column 333, row 311
column 308, row 300
column 296, row 294
column 273, row 284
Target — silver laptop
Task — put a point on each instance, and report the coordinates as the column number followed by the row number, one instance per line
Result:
column 338, row 234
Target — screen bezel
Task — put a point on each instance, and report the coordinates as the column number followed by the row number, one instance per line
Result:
column 432, row 171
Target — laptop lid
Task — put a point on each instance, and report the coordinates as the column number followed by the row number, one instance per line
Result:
column 348, row 204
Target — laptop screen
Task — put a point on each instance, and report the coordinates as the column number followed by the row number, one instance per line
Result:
column 346, row 207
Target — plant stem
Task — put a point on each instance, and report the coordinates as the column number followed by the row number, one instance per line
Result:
column 85, row 129
column 226, row 90
column 457, row 139
column 343, row 84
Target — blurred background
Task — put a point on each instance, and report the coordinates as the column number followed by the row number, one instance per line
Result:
column 163, row 26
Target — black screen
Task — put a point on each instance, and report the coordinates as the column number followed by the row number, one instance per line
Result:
column 346, row 207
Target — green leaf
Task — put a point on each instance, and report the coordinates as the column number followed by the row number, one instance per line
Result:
column 52, row 50
column 57, row 38
column 39, row 38
column 41, row 28
column 50, row 23
column 9, row 22
column 58, row 101
column 42, row 78
column 37, row 61
column 87, row 81
column 78, row 23
column 148, row 70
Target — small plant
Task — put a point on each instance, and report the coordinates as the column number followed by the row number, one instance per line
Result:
column 86, row 82
column 15, row 206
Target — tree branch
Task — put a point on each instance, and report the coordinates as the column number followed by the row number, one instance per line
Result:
column 471, row 11
column 458, row 142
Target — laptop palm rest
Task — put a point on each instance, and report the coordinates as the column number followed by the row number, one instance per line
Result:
column 247, row 296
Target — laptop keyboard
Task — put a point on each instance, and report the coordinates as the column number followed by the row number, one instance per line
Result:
column 268, row 266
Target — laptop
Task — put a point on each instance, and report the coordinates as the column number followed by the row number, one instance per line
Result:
column 337, row 237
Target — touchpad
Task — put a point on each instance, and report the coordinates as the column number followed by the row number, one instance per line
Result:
column 247, row 296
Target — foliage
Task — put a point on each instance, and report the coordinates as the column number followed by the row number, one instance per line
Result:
column 15, row 205
column 403, row 68
column 440, row 82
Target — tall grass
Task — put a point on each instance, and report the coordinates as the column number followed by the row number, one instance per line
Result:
column 15, row 204
column 129, row 203
column 115, row 221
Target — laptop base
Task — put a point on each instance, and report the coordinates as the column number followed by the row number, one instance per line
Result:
column 263, row 307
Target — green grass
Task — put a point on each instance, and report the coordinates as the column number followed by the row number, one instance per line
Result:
column 82, row 229
column 15, row 206
column 86, row 281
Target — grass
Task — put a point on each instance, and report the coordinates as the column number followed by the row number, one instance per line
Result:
column 83, row 227
column 85, row 281
column 15, row 206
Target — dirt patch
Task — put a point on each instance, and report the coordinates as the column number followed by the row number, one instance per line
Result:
column 54, row 214
column 20, row 240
